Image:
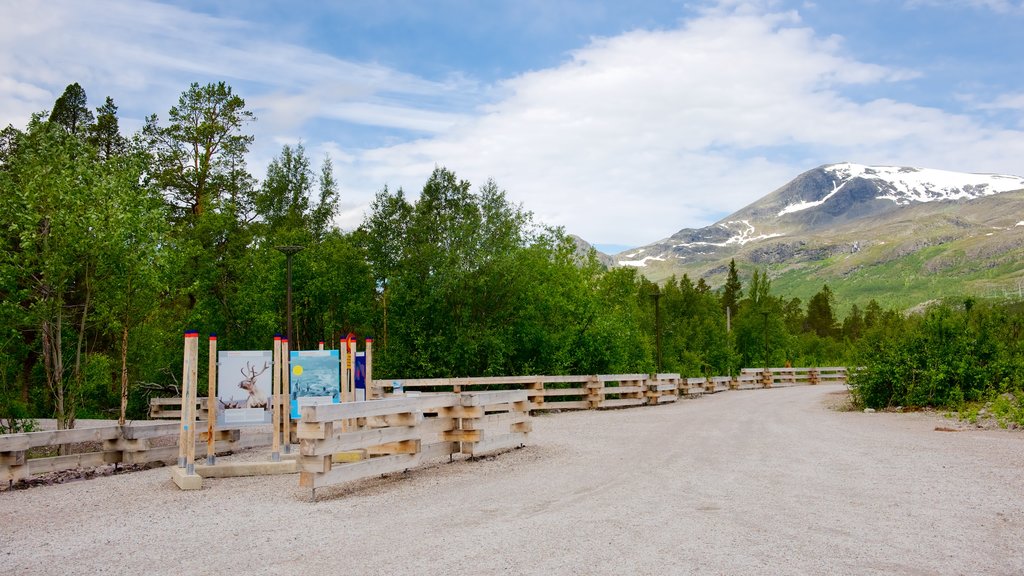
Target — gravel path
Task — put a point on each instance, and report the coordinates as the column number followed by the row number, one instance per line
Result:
column 754, row 482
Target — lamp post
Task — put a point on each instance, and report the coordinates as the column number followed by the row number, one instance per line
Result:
column 765, row 313
column 657, row 322
column 288, row 251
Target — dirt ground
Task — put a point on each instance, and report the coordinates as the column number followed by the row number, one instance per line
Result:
column 753, row 482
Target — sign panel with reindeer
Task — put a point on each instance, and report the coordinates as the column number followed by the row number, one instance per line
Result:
column 244, row 386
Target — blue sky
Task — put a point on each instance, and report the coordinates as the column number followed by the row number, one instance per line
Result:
column 622, row 122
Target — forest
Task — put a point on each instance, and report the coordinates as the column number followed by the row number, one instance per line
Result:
column 114, row 245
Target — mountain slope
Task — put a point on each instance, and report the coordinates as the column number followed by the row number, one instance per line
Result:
column 899, row 235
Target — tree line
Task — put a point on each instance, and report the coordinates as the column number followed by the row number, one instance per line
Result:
column 113, row 245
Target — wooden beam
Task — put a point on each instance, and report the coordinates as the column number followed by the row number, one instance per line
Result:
column 494, row 397
column 357, row 440
column 237, row 469
column 382, row 407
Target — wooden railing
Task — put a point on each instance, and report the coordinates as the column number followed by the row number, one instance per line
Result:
column 449, row 425
column 337, row 440
column 137, row 443
column 616, row 390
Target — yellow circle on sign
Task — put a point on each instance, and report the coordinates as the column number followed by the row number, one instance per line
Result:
column 297, row 370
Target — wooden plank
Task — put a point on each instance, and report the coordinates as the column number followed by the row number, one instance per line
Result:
column 314, row 430
column 13, row 458
column 376, row 466
column 494, row 420
column 357, row 440
column 58, row 437
column 461, row 412
column 238, row 469
column 492, row 398
column 319, row 464
column 562, row 392
column 140, row 430
column 68, row 462
column 359, row 470
column 382, row 407
column 436, row 425
column 622, row 402
column 404, row 447
column 624, row 389
column 186, row 481
column 14, row 442
column 567, row 405
column 14, row 473
column 404, row 419
column 475, row 435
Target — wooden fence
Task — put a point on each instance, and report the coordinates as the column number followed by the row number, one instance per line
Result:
column 136, row 443
column 337, row 440
column 616, row 390
column 446, row 425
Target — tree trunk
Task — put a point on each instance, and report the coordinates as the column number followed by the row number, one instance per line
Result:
column 53, row 365
column 124, row 374
column 78, row 357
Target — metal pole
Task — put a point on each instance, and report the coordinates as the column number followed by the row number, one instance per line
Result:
column 288, row 331
column 765, row 341
column 657, row 323
column 288, row 251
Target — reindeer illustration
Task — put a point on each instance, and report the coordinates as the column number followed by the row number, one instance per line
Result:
column 257, row 399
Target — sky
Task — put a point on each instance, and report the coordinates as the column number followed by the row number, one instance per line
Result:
column 622, row 122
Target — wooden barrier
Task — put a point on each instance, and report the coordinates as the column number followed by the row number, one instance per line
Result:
column 663, row 388
column 747, row 381
column 452, row 428
column 398, row 431
column 170, row 408
column 718, row 384
column 128, row 444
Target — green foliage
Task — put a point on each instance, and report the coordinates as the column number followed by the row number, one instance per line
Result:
column 948, row 355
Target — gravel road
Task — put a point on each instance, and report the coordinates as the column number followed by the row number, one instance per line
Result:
column 752, row 482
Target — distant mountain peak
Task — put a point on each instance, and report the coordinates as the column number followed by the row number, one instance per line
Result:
column 905, row 185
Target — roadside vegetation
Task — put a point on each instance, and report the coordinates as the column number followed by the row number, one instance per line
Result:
column 964, row 356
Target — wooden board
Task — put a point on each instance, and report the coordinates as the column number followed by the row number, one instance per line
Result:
column 357, row 440
column 373, row 467
column 381, row 407
column 186, row 481
column 237, row 469
column 492, row 398
column 567, row 405
column 495, row 420
column 622, row 402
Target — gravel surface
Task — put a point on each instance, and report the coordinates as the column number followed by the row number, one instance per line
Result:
column 753, row 482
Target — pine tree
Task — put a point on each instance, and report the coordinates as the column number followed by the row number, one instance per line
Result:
column 732, row 292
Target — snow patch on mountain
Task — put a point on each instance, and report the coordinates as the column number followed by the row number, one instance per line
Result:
column 805, row 205
column 642, row 262
column 742, row 237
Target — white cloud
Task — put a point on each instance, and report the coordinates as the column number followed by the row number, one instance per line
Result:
column 630, row 139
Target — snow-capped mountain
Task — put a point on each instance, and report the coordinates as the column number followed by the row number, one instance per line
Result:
column 904, row 185
column 814, row 203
